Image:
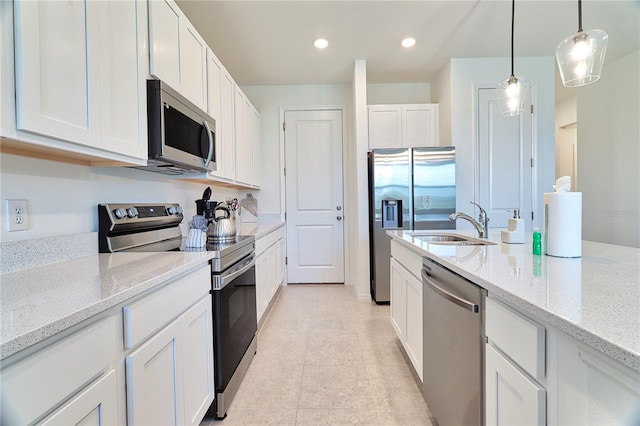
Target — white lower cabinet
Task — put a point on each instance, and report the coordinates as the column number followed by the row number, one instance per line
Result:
column 270, row 269
column 169, row 376
column 96, row 405
column 71, row 381
column 406, row 302
column 594, row 389
column 536, row 374
column 511, row 397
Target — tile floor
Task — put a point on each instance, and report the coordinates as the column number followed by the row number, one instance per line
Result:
column 326, row 359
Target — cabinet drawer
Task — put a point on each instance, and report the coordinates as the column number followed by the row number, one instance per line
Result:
column 517, row 336
column 39, row 383
column 410, row 260
column 147, row 315
column 263, row 243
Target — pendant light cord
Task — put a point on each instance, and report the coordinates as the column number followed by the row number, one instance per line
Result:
column 513, row 18
column 579, row 16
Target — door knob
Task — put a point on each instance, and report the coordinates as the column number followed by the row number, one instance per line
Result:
column 339, row 208
column 339, row 217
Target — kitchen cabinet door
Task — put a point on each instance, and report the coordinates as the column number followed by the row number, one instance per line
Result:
column 413, row 331
column 178, row 53
column 154, row 380
column 512, row 398
column 594, row 389
column 244, row 159
column 255, row 147
column 420, row 127
column 91, row 93
column 398, row 296
column 57, row 69
column 262, row 282
column 226, row 138
column 95, row 405
column 123, row 90
column 385, row 126
column 197, row 361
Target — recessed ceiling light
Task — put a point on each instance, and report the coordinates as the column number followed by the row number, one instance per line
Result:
column 408, row 42
column 321, row 43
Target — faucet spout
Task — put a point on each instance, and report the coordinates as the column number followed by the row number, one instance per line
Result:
column 482, row 228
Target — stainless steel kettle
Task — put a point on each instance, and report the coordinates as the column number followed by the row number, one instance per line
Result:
column 222, row 228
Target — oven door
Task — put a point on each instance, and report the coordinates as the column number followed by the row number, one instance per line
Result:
column 234, row 317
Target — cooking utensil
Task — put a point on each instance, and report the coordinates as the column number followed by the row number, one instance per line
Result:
column 207, row 194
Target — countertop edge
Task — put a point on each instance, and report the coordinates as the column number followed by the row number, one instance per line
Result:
column 26, row 340
column 597, row 342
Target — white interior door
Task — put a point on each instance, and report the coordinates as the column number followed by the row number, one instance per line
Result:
column 314, row 196
column 504, row 166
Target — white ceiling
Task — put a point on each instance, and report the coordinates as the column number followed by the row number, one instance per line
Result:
column 270, row 42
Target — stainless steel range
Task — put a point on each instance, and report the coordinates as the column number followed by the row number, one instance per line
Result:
column 155, row 227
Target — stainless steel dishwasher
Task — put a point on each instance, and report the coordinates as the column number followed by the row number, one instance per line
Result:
column 453, row 353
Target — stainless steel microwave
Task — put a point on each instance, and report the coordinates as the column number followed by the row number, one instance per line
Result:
column 182, row 137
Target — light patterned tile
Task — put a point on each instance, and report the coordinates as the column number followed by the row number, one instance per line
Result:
column 331, row 387
column 254, row 417
column 333, row 349
column 269, row 387
column 337, row 417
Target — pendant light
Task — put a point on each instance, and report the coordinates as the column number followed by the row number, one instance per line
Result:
column 581, row 55
column 512, row 93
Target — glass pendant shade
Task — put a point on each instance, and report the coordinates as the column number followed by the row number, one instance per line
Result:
column 512, row 95
column 580, row 57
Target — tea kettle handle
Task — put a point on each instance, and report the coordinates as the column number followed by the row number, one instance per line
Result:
column 221, row 207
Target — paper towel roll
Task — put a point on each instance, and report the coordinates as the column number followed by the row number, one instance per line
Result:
column 563, row 224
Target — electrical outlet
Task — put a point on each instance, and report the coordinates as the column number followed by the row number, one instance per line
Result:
column 17, row 215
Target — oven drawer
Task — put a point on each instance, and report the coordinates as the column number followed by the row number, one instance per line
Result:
column 147, row 315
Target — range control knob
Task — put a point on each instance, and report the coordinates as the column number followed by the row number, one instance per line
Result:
column 179, row 210
column 172, row 210
column 120, row 213
column 132, row 212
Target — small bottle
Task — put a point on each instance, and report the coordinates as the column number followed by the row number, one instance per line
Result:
column 537, row 242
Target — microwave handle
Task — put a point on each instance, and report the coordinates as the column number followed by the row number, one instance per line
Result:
column 208, row 160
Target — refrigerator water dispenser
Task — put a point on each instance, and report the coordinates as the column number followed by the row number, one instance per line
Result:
column 392, row 213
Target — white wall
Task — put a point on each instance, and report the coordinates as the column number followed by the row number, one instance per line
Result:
column 398, row 93
column 441, row 95
column 609, row 154
column 566, row 140
column 467, row 74
column 63, row 197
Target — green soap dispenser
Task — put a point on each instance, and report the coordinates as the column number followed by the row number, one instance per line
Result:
column 537, row 242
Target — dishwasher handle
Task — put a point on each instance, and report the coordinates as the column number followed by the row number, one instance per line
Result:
column 465, row 304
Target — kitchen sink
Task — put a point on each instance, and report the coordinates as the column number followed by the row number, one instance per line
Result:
column 449, row 239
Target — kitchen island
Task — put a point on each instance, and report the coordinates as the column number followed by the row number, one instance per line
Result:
column 562, row 334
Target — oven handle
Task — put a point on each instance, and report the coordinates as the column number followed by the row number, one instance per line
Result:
column 220, row 281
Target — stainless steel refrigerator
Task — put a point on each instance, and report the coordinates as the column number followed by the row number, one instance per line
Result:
column 409, row 189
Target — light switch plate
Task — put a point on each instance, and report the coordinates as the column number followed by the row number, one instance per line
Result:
column 17, row 215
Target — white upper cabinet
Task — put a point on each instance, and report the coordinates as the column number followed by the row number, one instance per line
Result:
column 420, row 125
column 385, row 126
column 403, row 126
column 56, row 86
column 247, row 141
column 78, row 70
column 220, row 92
column 178, row 53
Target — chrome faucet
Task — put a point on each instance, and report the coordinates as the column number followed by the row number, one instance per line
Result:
column 482, row 226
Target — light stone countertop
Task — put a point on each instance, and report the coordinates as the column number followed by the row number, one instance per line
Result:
column 41, row 301
column 261, row 228
column 594, row 298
